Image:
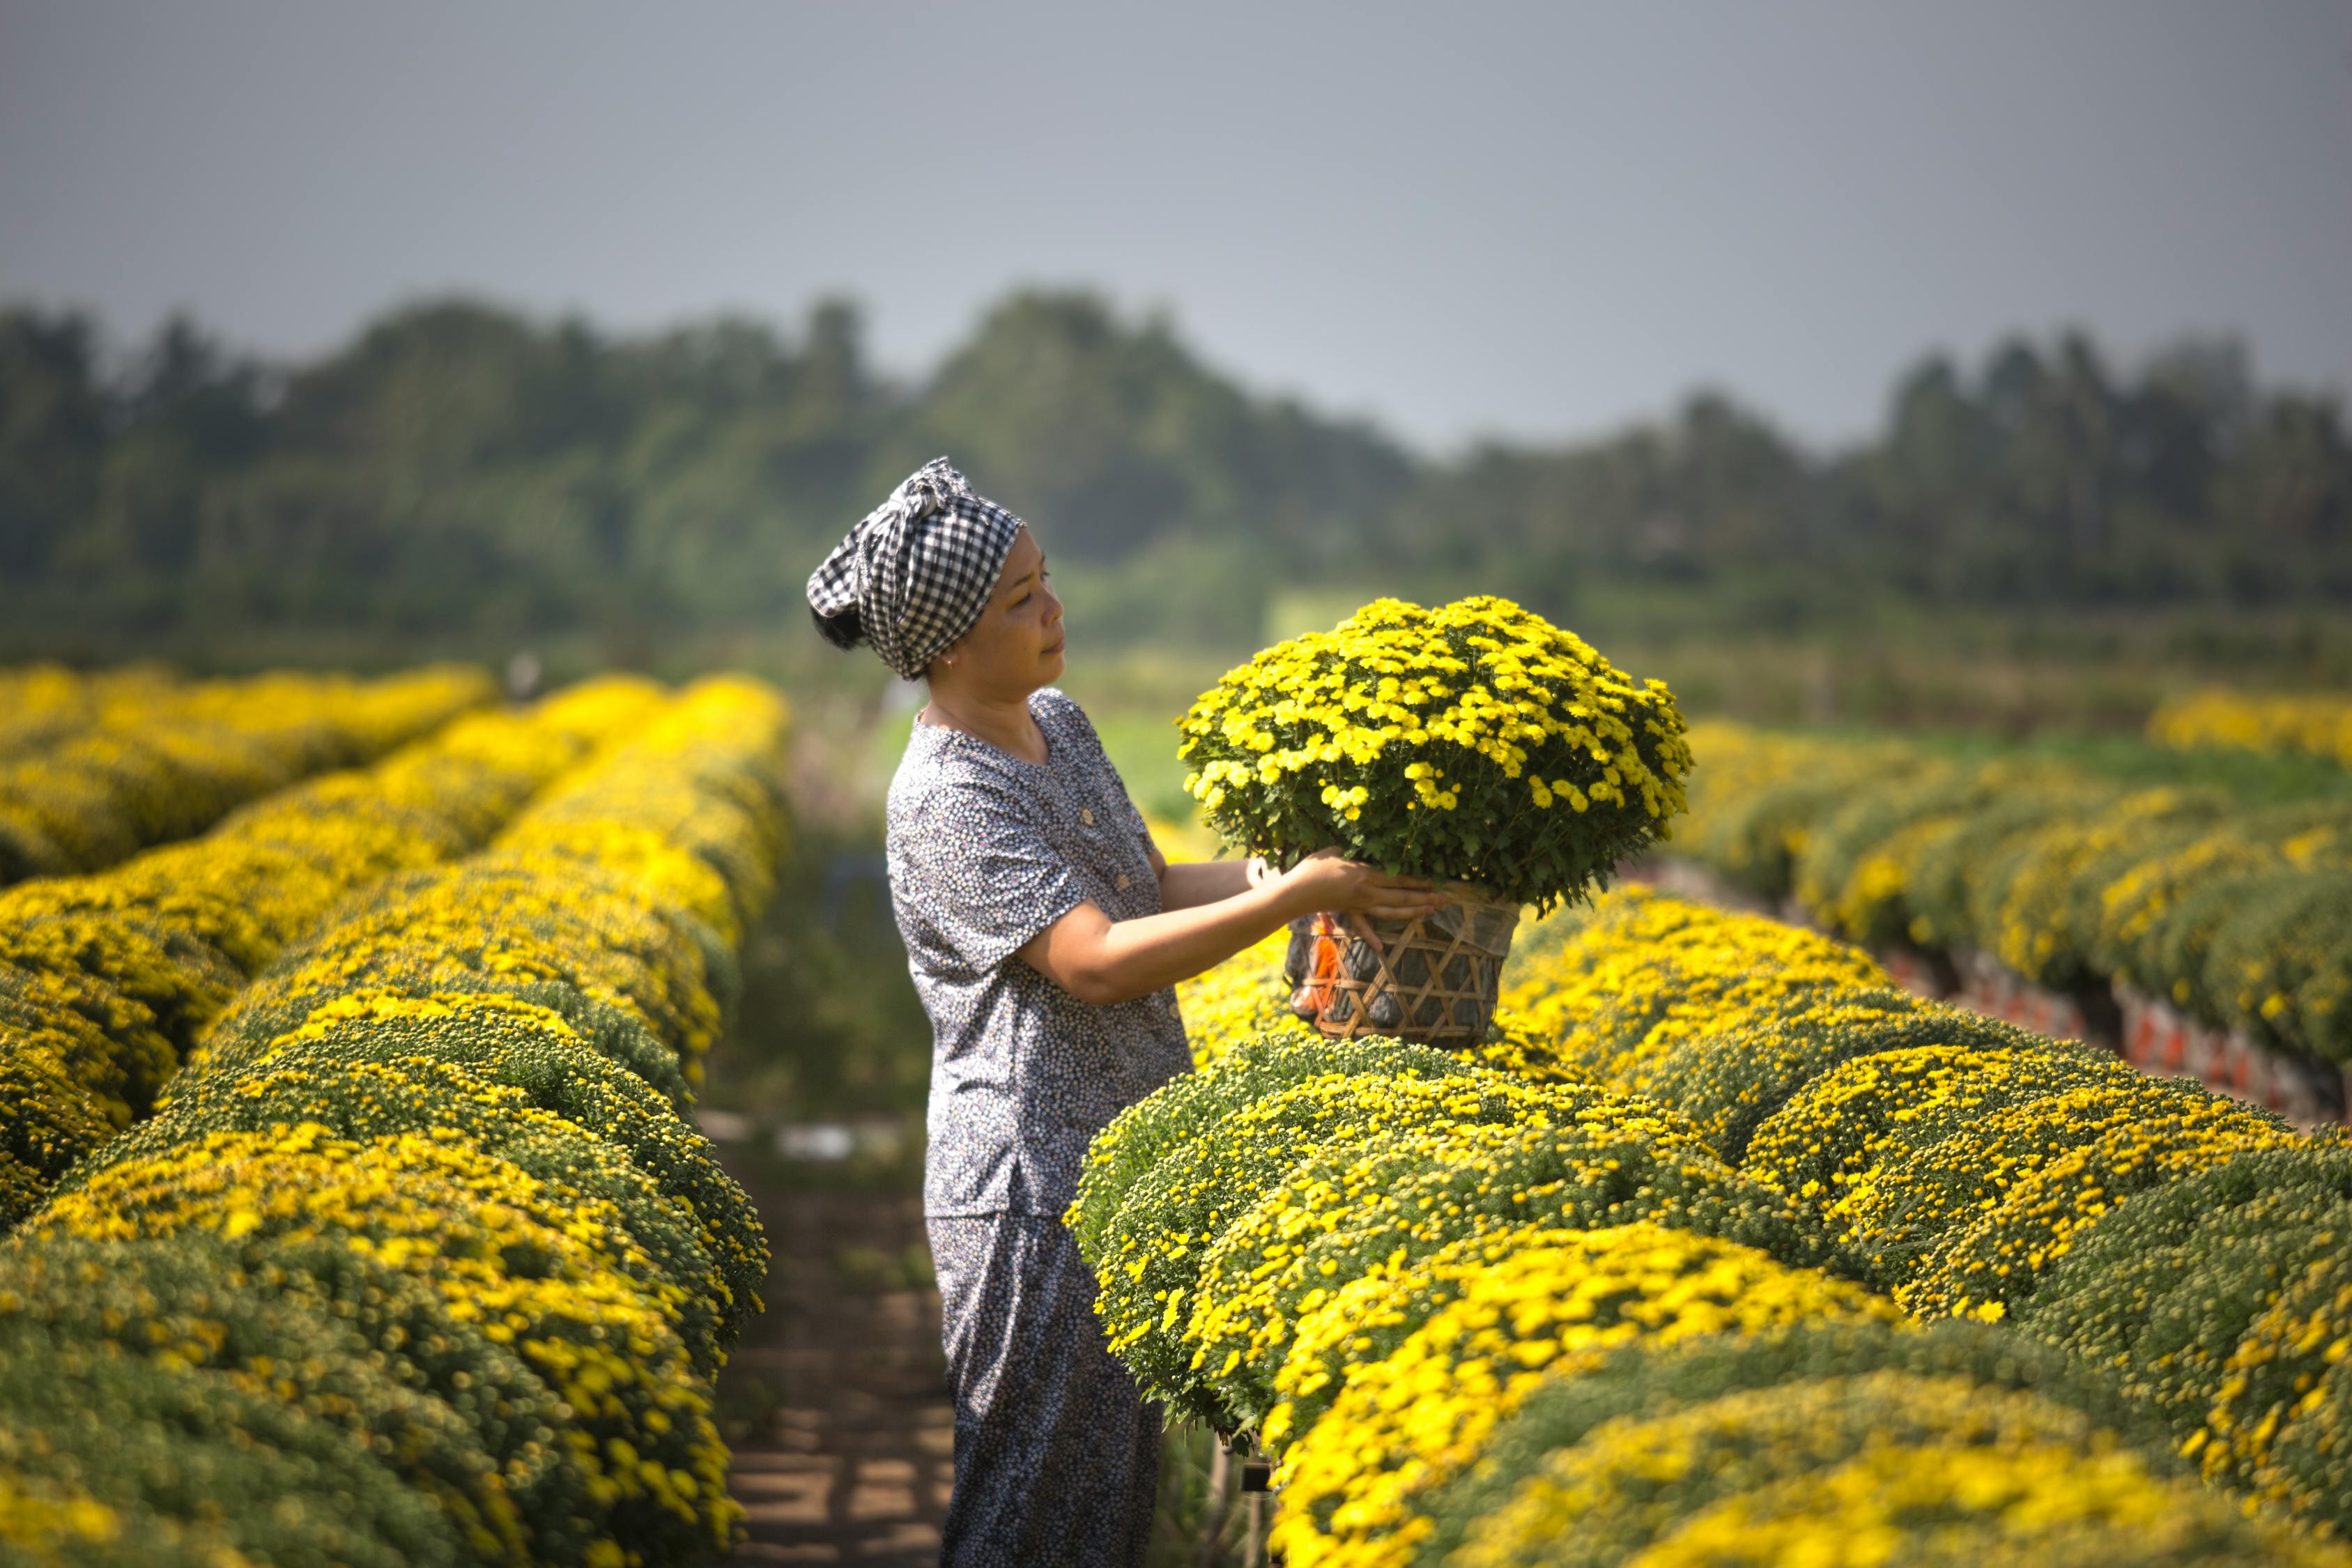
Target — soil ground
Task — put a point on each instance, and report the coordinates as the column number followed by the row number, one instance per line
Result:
column 836, row 1398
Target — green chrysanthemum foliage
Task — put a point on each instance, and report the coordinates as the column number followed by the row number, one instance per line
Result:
column 394, row 1089
column 1154, row 1246
column 1994, row 1262
column 2163, row 1290
column 1925, row 1440
column 2281, row 1423
column 518, row 1417
column 2268, row 889
column 1867, row 1110
column 1474, row 741
column 1974, row 1217
column 284, row 1006
column 2161, row 913
column 1401, row 1196
column 2185, row 937
column 1195, row 1105
column 154, row 1436
column 106, row 1043
column 1729, row 1083
column 1949, row 865
column 2281, row 967
column 188, row 1302
column 52, row 1122
column 2162, row 904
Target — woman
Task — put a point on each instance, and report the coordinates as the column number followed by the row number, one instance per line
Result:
column 1044, row 929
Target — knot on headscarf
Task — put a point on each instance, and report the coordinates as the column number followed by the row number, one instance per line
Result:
column 916, row 572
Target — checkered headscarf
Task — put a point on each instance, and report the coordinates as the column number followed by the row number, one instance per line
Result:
column 915, row 574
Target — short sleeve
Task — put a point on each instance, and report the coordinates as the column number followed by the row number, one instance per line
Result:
column 990, row 877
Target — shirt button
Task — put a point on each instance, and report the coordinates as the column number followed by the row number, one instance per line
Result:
column 1087, row 816
column 1122, row 881
column 1174, row 1011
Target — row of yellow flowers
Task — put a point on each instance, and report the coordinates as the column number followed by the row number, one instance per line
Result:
column 419, row 1261
column 2188, row 1247
column 108, row 980
column 94, row 768
column 1543, row 1304
column 40, row 703
column 2310, row 724
column 2239, row 913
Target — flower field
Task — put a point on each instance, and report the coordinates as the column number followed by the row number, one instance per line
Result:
column 2236, row 913
column 94, row 768
column 1731, row 1251
column 2309, row 726
column 359, row 1218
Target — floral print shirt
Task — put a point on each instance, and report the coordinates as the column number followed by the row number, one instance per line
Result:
column 985, row 851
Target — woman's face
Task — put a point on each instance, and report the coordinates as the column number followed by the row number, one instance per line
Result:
column 1015, row 646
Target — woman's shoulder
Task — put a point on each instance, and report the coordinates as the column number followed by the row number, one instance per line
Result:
column 935, row 771
column 1057, row 709
column 1060, row 704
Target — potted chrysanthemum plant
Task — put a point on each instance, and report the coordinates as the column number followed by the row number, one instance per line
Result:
column 1475, row 745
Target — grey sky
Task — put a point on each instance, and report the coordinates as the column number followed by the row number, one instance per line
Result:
column 1539, row 219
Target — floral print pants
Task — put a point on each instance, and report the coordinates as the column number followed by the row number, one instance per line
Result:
column 1057, row 1454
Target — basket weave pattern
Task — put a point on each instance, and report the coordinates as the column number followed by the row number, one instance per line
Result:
column 1432, row 979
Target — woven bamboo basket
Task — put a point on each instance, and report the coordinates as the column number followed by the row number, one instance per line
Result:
column 1432, row 979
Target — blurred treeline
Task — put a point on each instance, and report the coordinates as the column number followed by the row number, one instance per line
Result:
column 464, row 478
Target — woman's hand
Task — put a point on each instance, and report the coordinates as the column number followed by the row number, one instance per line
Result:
column 1327, row 880
column 1100, row 961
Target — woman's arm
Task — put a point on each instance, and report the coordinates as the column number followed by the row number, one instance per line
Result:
column 1101, row 961
column 1189, row 883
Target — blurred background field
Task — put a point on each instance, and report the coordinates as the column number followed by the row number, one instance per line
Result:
column 2040, row 546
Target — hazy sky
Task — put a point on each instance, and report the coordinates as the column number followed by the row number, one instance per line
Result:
column 1539, row 219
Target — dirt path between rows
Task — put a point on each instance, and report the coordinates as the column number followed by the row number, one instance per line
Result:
column 849, row 1456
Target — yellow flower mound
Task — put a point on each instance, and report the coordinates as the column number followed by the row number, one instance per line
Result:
column 1643, row 971
column 1509, row 1311
column 1474, row 741
column 1956, row 1505
column 1240, row 999
column 543, row 1269
column 1886, row 1467
column 1891, row 1212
